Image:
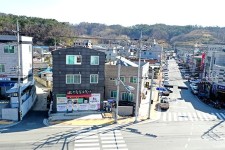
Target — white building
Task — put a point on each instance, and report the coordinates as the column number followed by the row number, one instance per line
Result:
column 9, row 61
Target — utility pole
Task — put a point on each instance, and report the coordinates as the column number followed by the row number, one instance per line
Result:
column 19, row 67
column 118, row 91
column 150, row 100
column 138, row 82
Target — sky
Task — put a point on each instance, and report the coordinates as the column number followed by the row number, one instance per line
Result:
column 122, row 12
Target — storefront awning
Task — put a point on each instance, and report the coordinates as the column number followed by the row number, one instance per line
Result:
column 78, row 95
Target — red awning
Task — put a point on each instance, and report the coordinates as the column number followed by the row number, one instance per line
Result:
column 78, row 95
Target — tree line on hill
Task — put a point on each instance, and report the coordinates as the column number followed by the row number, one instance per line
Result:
column 50, row 31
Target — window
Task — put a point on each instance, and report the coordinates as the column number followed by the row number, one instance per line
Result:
column 122, row 78
column 113, row 94
column 127, row 96
column 94, row 78
column 9, row 49
column 133, row 79
column 2, row 68
column 73, row 79
column 73, row 59
column 94, row 60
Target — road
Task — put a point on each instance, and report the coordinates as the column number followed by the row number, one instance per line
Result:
column 188, row 124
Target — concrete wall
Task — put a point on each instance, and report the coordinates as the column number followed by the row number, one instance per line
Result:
column 43, row 82
column 124, row 110
column 10, row 114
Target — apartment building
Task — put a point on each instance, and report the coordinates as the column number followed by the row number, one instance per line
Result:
column 78, row 79
column 9, row 61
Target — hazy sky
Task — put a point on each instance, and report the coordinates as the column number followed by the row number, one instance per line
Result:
column 122, row 12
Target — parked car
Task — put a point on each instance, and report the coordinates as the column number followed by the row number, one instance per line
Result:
column 164, row 103
column 186, row 76
column 194, row 88
column 165, row 92
column 194, row 80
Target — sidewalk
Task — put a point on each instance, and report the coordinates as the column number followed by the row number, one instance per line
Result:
column 7, row 123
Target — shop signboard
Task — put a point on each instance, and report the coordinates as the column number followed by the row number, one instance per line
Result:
column 95, row 100
column 93, row 107
column 61, row 100
column 83, row 107
column 75, row 107
column 221, row 88
column 69, row 106
column 61, row 107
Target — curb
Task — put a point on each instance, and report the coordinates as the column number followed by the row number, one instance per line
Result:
column 94, row 122
column 8, row 125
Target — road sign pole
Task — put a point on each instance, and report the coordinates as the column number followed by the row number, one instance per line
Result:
column 150, row 100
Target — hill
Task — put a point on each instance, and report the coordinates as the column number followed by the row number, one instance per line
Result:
column 49, row 31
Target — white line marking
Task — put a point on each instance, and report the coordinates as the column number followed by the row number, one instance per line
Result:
column 86, row 144
column 114, row 146
column 222, row 116
column 91, row 148
column 169, row 116
column 112, row 142
column 111, row 138
column 180, row 117
column 190, row 117
column 195, row 117
column 175, row 116
column 164, row 116
column 86, row 137
column 217, row 114
column 86, row 140
column 185, row 116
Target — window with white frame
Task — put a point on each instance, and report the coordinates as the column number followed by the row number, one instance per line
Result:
column 73, row 59
column 73, row 79
column 127, row 96
column 133, row 79
column 94, row 78
column 2, row 68
column 94, row 60
column 113, row 94
column 9, row 49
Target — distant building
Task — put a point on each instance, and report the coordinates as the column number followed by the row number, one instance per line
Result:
column 154, row 52
column 84, row 43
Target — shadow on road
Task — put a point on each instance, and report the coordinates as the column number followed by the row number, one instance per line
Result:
column 214, row 135
column 70, row 135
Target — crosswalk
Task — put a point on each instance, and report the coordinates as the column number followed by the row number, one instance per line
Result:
column 100, row 139
column 191, row 116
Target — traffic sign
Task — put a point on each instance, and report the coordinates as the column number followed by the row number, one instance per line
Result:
column 160, row 89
